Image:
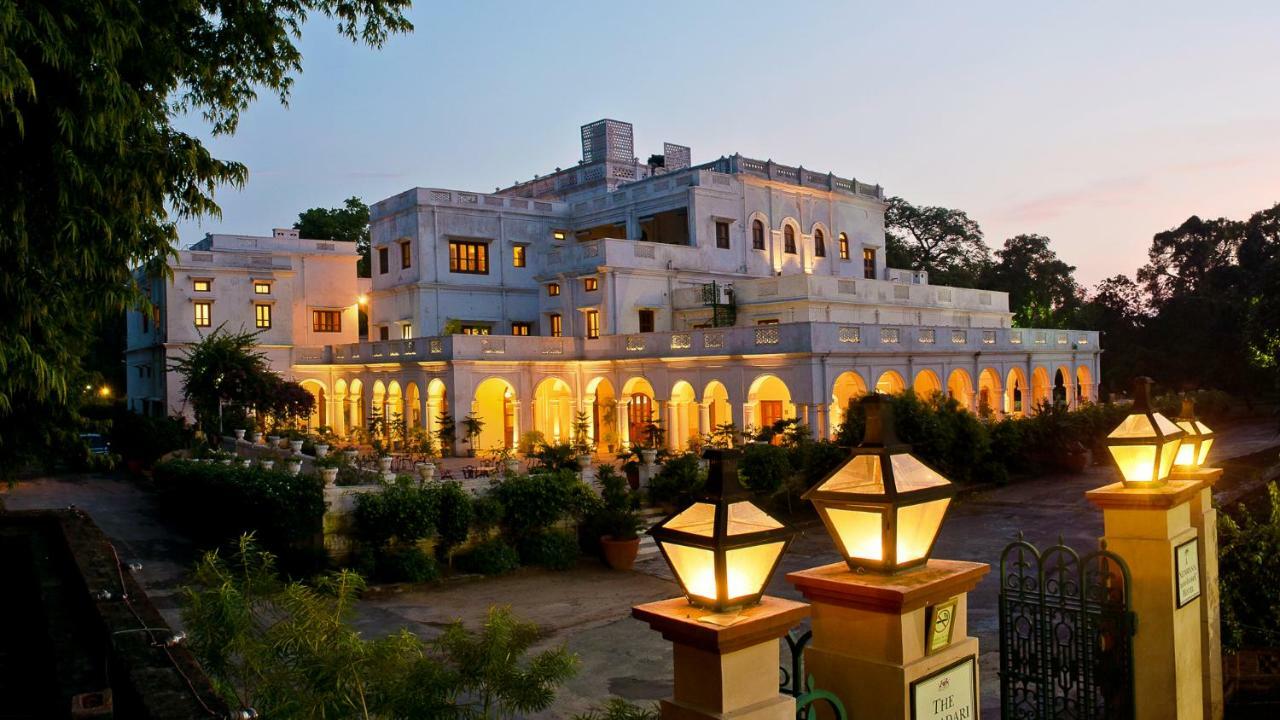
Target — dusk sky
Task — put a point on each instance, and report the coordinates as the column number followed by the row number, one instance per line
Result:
column 1097, row 124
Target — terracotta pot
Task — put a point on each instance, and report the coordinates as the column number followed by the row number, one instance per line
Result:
column 620, row 554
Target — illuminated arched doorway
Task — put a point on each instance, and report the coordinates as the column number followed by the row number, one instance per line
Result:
column 768, row 401
column 437, row 404
column 603, row 404
column 890, row 382
column 319, row 413
column 378, row 409
column 641, row 408
column 1084, row 385
column 494, row 405
column 1017, row 398
column 715, row 396
column 683, row 418
column 553, row 410
column 960, row 388
column 1041, row 389
column 927, row 384
column 848, row 387
column 342, row 414
column 355, row 402
column 990, row 396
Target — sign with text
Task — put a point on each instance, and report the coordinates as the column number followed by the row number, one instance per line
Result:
column 1186, row 568
column 948, row 694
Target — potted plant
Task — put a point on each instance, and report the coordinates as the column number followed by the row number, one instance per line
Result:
column 505, row 458
column 294, row 465
column 239, row 434
column 652, row 440
column 328, row 466
column 618, row 521
column 350, row 452
column 267, row 463
column 473, row 425
column 246, row 462
column 447, row 435
column 581, row 439
column 426, row 471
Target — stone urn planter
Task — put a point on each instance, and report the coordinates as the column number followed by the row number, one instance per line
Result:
column 512, row 465
column 239, row 435
column 648, row 455
column 388, row 477
column 351, row 455
column 257, row 438
column 268, row 464
column 321, row 450
column 330, row 476
column 226, row 461
column 273, row 441
column 247, row 462
column 427, row 471
column 296, row 446
column 384, row 464
column 294, row 466
column 584, row 461
column 620, row 554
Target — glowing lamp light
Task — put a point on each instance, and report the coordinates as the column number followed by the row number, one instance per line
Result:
column 883, row 507
column 363, row 299
column 723, row 548
column 1145, row 443
column 1197, row 440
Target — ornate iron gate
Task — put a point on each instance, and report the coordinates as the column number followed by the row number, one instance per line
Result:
column 795, row 683
column 1066, row 634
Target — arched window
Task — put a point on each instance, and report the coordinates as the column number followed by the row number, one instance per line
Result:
column 788, row 239
column 757, row 235
column 844, row 246
column 819, row 244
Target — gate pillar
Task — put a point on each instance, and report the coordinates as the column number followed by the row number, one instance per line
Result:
column 1151, row 530
column 1204, row 518
column 725, row 666
column 872, row 638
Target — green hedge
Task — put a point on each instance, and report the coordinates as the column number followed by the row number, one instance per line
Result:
column 217, row 503
column 1249, row 575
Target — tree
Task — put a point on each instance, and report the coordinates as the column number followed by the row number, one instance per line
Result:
column 1117, row 308
column 1042, row 288
column 945, row 242
column 95, row 172
column 1184, row 259
column 349, row 223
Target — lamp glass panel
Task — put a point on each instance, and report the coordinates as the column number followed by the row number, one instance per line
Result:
column 1137, row 463
column 695, row 568
column 1186, row 455
column 745, row 517
column 1134, row 426
column 1165, row 425
column 860, row 475
column 1167, row 453
column 861, row 532
column 697, row 519
column 747, row 569
column 917, row 526
column 911, row 474
column 1204, row 451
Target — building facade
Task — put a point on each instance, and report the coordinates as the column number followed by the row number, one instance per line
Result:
column 735, row 291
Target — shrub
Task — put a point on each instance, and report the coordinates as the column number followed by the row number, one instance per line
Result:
column 453, row 517
column 620, row 709
column 764, row 468
column 402, row 511
column 146, row 439
column 218, row 503
column 554, row 549
column 486, row 513
column 489, row 557
column 557, row 456
column 679, row 480
column 406, row 564
column 532, row 503
column 1248, row 575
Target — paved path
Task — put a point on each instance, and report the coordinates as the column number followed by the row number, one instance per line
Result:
column 589, row 608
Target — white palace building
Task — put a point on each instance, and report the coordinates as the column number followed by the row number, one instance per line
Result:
column 737, row 290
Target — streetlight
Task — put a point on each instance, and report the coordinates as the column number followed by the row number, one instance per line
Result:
column 883, row 507
column 722, row 548
column 1145, row 443
column 1195, row 444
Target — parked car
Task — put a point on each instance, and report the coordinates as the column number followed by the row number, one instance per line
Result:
column 98, row 444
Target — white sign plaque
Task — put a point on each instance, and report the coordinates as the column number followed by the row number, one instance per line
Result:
column 948, row 694
column 1186, row 566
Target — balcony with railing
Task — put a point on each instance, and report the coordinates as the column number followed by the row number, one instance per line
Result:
column 829, row 288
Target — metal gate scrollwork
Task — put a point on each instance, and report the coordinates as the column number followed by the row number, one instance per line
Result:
column 795, row 683
column 1066, row 634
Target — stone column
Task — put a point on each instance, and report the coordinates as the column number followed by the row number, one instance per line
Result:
column 836, row 413
column 622, row 418
column 1204, row 518
column 515, row 422
column 871, row 636
column 704, row 418
column 802, row 415
column 673, row 430
column 433, row 410
column 725, row 671
column 1145, row 527
column 748, row 415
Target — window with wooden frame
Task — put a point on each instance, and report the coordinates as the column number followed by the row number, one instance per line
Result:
column 261, row 287
column 518, row 256
column 406, row 331
column 553, row 289
column 471, row 258
column 869, row 263
column 757, row 235
column 590, row 284
column 521, row 328
column 406, row 254
column 326, row 321
column 789, row 240
column 844, row 246
column 383, row 265
column 593, row 324
column 262, row 316
column 722, row 235
column 557, row 325
column 646, row 321
column 203, row 313
column 202, row 285
column 475, row 330
column 819, row 244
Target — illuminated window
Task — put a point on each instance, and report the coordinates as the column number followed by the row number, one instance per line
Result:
column 406, row 254
column 326, row 321
column 382, row 261
column 262, row 316
column 593, row 324
column 406, row 331
column 553, row 289
column 646, row 321
column 819, row 244
column 558, row 235
column 757, row 235
column 556, row 327
column 475, row 329
column 204, row 314
column 590, row 284
column 521, row 328
column 789, row 240
column 844, row 246
column 261, row 288
column 869, row 263
column 517, row 256
column 767, row 321
column 468, row 257
column 202, row 285
column 722, row 235
column 384, row 333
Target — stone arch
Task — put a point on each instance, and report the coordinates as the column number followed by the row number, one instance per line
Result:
column 1017, row 397
column 819, row 231
column 378, row 408
column 927, row 384
column 412, row 406
column 437, row 404
column 768, row 401
column 642, row 407
column 553, row 414
column 494, row 404
column 849, row 386
column 355, row 399
column 1084, row 385
column 758, row 217
column 891, row 382
column 790, row 236
column 960, row 388
column 682, row 421
column 393, row 412
column 715, row 398
column 990, row 392
column 319, row 412
column 341, row 420
column 602, row 404
column 1041, row 388
column 1062, row 390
